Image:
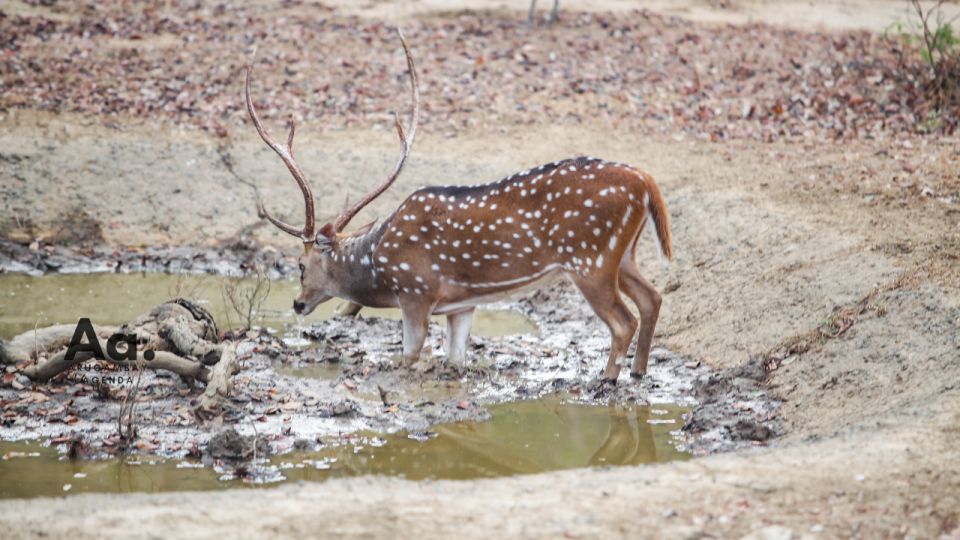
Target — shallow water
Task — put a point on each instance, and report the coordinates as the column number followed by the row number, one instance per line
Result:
column 320, row 370
column 107, row 298
column 520, row 438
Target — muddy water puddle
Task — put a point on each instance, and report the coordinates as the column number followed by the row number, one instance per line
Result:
column 27, row 302
column 322, row 370
column 520, row 438
column 437, row 427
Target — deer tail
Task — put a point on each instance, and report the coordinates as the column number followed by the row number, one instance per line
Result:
column 657, row 209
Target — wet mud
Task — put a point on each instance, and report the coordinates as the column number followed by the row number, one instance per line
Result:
column 526, row 437
column 343, row 376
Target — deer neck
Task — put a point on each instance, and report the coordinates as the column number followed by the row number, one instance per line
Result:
column 351, row 269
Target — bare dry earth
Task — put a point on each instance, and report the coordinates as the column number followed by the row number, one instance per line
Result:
column 875, row 15
column 773, row 241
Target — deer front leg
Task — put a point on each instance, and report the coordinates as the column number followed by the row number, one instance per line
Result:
column 349, row 309
column 458, row 333
column 416, row 318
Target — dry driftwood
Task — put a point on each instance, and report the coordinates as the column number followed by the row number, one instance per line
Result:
column 219, row 383
column 179, row 326
column 57, row 364
column 34, row 344
column 181, row 336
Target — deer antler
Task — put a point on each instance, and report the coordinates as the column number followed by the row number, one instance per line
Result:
column 406, row 142
column 286, row 155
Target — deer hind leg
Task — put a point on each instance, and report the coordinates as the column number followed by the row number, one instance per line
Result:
column 648, row 302
column 601, row 293
column 416, row 318
column 458, row 332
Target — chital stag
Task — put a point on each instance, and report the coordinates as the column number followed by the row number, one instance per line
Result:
column 447, row 249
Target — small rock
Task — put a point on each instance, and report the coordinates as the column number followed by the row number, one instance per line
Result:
column 303, row 445
column 338, row 408
column 228, row 444
column 751, row 430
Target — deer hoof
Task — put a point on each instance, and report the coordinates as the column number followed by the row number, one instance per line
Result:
column 637, row 376
column 602, row 387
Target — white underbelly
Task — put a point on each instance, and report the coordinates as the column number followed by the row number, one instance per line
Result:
column 492, row 298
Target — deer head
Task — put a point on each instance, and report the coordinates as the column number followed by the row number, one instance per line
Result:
column 320, row 278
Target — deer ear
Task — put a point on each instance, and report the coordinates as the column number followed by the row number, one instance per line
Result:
column 325, row 238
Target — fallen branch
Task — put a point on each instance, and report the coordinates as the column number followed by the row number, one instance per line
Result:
column 28, row 345
column 179, row 326
column 127, row 416
column 219, row 384
column 45, row 370
column 178, row 336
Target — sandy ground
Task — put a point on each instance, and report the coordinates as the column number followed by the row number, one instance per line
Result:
column 825, row 261
column 874, row 15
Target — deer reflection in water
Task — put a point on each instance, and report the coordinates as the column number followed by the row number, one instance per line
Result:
column 530, row 437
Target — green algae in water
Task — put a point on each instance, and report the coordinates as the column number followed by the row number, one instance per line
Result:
column 520, row 438
column 29, row 301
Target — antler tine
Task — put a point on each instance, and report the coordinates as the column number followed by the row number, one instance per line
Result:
column 286, row 155
column 406, row 142
column 287, row 228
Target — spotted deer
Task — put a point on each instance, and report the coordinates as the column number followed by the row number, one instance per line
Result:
column 447, row 249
